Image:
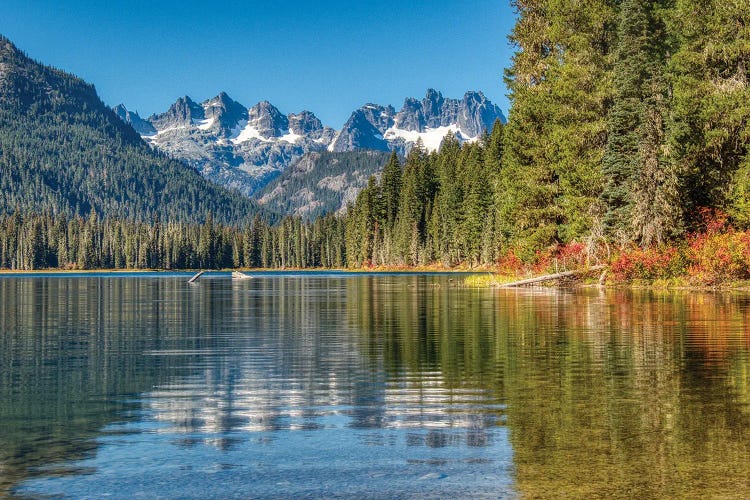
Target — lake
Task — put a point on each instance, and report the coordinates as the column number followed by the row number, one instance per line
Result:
column 363, row 385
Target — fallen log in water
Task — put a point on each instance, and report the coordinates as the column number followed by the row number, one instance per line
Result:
column 196, row 277
column 552, row 277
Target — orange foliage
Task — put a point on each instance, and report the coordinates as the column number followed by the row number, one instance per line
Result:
column 717, row 254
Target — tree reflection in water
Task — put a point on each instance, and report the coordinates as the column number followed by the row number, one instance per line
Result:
column 615, row 393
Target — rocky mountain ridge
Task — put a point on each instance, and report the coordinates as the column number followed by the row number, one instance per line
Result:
column 246, row 148
column 431, row 119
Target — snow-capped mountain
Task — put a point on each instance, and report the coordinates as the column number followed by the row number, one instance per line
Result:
column 245, row 148
column 431, row 119
column 230, row 144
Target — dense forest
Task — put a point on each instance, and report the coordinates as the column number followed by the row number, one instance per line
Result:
column 627, row 135
column 627, row 117
column 46, row 241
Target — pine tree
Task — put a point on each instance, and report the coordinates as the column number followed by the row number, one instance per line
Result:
column 555, row 137
column 391, row 187
column 477, row 204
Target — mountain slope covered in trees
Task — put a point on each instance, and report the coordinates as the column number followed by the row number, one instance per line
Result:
column 321, row 183
column 63, row 150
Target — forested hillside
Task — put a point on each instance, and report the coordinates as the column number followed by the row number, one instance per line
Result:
column 63, row 150
column 321, row 183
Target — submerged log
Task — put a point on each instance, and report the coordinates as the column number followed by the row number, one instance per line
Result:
column 236, row 275
column 195, row 278
column 553, row 277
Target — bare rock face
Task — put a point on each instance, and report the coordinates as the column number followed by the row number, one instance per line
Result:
column 360, row 132
column 304, row 123
column 180, row 114
column 225, row 113
column 268, row 120
column 476, row 114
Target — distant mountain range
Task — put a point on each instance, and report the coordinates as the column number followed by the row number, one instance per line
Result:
column 246, row 148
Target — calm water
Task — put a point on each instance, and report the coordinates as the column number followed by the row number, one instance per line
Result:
column 341, row 385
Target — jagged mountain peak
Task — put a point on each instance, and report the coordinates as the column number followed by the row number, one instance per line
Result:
column 268, row 120
column 221, row 101
column 221, row 97
column 433, row 94
column 429, row 119
column 361, row 132
column 182, row 113
column 304, row 122
column 477, row 114
column 222, row 114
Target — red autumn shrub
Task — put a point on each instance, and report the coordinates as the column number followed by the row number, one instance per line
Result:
column 648, row 264
column 572, row 255
column 509, row 264
column 719, row 253
column 562, row 257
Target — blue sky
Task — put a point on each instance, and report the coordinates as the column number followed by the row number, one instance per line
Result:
column 327, row 56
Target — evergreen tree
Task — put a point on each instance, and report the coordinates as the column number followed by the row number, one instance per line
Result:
column 640, row 194
column 391, row 187
column 477, row 205
column 555, row 137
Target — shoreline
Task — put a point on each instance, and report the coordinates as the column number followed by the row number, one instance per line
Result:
column 378, row 270
column 477, row 278
column 496, row 281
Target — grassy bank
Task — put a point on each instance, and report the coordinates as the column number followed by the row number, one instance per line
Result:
column 493, row 280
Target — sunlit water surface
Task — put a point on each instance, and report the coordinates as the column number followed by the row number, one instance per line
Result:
column 353, row 385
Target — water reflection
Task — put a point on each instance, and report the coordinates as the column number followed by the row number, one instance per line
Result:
column 370, row 385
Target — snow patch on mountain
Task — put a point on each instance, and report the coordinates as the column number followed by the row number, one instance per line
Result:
column 204, row 124
column 247, row 133
column 291, row 137
column 431, row 138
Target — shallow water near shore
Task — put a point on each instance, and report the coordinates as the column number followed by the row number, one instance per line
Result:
column 368, row 385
